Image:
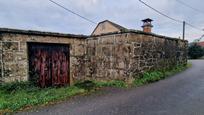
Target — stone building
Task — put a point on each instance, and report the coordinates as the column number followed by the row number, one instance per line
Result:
column 107, row 27
column 24, row 52
column 59, row 59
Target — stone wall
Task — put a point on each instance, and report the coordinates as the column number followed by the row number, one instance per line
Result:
column 14, row 64
column 126, row 55
column 114, row 56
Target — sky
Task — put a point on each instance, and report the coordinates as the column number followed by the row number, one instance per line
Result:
column 43, row 15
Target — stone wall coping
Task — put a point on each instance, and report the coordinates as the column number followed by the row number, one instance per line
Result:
column 41, row 33
column 55, row 34
column 138, row 32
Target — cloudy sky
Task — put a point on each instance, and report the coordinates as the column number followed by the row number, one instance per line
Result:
column 45, row 16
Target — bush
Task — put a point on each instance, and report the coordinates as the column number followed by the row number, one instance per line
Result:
column 195, row 51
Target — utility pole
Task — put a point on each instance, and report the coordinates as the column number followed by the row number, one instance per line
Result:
column 184, row 26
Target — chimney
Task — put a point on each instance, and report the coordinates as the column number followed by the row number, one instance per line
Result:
column 147, row 25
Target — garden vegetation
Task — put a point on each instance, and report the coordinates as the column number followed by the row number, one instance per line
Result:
column 24, row 95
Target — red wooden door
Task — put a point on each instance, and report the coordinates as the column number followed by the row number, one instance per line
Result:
column 49, row 64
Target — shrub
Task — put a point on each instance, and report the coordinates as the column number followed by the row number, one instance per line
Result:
column 195, row 51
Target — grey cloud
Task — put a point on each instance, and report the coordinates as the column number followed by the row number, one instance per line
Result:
column 45, row 16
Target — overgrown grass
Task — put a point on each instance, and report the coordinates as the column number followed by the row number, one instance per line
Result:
column 90, row 85
column 153, row 76
column 114, row 83
column 20, row 95
column 16, row 96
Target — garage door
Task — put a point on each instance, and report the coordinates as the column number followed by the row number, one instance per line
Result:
column 48, row 64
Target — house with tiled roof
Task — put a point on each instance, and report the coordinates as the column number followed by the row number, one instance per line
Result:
column 201, row 44
column 107, row 27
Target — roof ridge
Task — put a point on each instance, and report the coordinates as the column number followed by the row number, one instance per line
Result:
column 116, row 25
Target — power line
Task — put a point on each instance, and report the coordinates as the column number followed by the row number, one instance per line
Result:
column 173, row 19
column 192, row 26
column 176, row 20
column 89, row 20
column 189, row 6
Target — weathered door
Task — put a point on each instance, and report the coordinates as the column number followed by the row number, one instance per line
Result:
column 49, row 64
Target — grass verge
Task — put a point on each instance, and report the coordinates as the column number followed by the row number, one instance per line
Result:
column 20, row 95
column 17, row 96
column 153, row 76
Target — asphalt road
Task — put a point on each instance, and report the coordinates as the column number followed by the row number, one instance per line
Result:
column 182, row 94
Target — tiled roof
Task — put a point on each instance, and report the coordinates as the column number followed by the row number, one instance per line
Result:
column 201, row 44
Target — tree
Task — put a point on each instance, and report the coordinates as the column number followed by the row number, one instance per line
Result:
column 195, row 51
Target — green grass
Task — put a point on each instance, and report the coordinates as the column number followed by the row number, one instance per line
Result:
column 114, row 83
column 153, row 76
column 16, row 96
column 20, row 95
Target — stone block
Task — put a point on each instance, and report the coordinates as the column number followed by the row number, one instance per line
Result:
column 10, row 46
column 21, row 56
column 107, row 50
column 79, row 49
column 108, row 40
column 121, row 38
column 8, row 56
column 134, row 38
column 137, row 44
